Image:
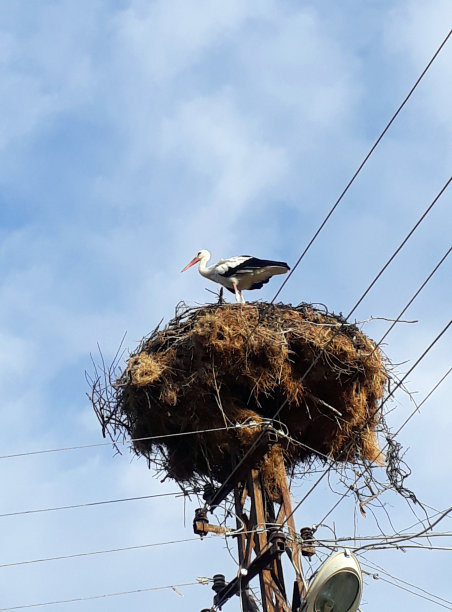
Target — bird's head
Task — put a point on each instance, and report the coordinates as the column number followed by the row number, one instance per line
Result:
column 203, row 255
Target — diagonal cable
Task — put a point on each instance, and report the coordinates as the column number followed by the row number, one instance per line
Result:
column 363, row 163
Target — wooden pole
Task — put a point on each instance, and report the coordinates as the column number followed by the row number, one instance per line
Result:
column 256, row 514
column 263, row 535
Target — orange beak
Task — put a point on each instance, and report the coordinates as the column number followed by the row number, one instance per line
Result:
column 192, row 263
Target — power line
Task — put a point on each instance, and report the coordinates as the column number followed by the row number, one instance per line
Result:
column 406, row 546
column 377, row 538
column 427, row 595
column 125, row 442
column 378, row 567
column 105, row 595
column 90, row 504
column 423, row 401
column 417, row 362
column 436, row 513
column 227, row 533
column 231, row 533
column 386, row 540
column 99, row 552
column 432, row 390
column 399, row 316
column 399, row 586
column 349, row 184
column 404, row 538
column 399, row 248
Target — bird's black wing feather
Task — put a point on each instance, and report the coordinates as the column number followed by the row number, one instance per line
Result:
column 254, row 263
column 258, row 285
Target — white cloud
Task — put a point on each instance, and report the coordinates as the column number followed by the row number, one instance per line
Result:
column 166, row 38
column 45, row 71
column 225, row 146
column 416, row 31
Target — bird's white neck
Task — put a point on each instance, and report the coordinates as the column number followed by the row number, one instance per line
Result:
column 203, row 267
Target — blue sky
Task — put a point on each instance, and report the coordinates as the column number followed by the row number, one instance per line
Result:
column 134, row 133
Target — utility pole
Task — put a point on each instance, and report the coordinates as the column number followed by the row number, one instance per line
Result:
column 260, row 537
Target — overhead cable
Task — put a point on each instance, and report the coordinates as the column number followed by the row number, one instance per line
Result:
column 423, row 401
column 383, row 538
column 231, row 533
column 104, row 596
column 404, row 538
column 89, row 504
column 439, row 601
column 399, row 248
column 361, row 166
column 372, row 564
column 98, row 552
column 126, row 441
column 402, row 312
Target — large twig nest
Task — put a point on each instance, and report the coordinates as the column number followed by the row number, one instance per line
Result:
column 223, row 365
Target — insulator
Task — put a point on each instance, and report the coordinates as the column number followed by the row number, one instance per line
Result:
column 307, row 544
column 200, row 517
column 279, row 540
column 219, row 582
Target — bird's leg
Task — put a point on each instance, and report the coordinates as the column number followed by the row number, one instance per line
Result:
column 241, row 295
column 237, row 294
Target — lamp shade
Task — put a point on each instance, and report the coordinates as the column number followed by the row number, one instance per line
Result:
column 337, row 585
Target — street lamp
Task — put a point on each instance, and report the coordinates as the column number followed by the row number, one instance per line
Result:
column 337, row 586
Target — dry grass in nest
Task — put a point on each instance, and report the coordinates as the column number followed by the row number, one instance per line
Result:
column 223, row 365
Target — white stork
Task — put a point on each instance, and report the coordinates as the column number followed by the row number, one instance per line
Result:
column 238, row 273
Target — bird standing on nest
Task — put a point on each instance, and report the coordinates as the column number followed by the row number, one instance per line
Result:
column 238, row 273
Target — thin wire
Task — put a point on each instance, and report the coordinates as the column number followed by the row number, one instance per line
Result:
column 436, row 534
column 383, row 546
column 323, row 542
column 414, row 297
column 372, row 564
column 399, row 586
column 404, row 538
column 98, row 552
column 390, row 546
column 402, row 244
column 349, row 184
column 88, row 504
column 423, row 401
column 421, row 522
column 231, row 534
column 124, row 442
column 91, row 597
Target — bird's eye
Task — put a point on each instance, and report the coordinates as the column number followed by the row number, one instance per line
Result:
column 199, row 254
